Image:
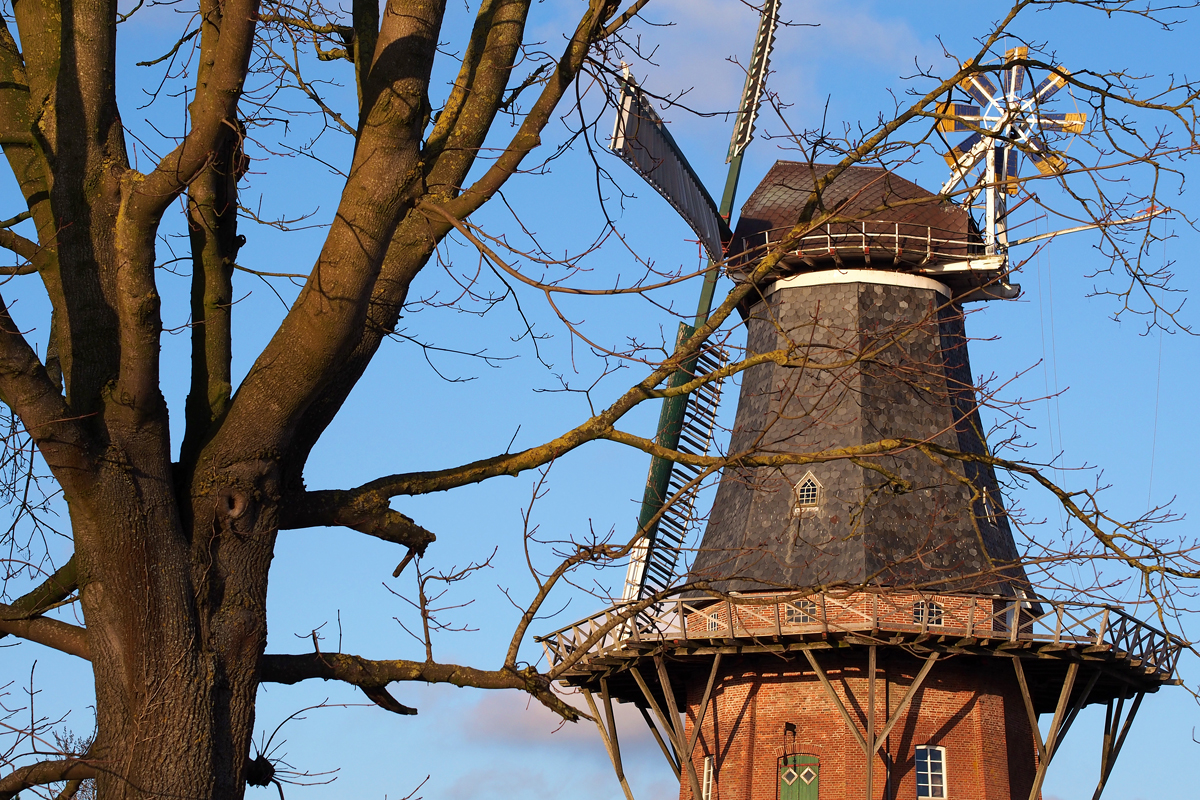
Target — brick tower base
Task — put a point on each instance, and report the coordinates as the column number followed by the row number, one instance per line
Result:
column 763, row 708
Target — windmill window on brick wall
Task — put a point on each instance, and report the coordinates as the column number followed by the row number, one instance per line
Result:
column 706, row 787
column 802, row 612
column 931, row 772
column 714, row 623
column 927, row 612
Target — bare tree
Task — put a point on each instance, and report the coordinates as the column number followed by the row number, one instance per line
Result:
column 170, row 553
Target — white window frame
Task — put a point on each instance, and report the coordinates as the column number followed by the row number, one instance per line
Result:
column 802, row 612
column 706, row 786
column 713, row 622
column 929, row 613
column 799, row 505
column 945, row 778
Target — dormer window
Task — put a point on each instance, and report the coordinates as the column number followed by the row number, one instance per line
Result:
column 808, row 495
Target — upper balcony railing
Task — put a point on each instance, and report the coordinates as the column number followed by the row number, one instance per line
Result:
column 749, row 618
column 897, row 242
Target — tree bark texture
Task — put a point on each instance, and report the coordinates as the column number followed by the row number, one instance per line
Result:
column 172, row 558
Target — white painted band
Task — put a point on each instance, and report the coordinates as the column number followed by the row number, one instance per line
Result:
column 881, row 277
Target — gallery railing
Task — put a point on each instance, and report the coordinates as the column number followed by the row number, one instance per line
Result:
column 987, row 619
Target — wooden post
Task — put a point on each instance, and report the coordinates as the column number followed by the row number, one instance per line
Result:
column 1078, row 705
column 871, row 743
column 871, row 723
column 837, row 701
column 1110, row 748
column 1052, row 735
column 658, row 738
column 610, row 739
column 685, row 759
column 691, row 745
column 1033, row 717
column 662, row 718
column 908, row 696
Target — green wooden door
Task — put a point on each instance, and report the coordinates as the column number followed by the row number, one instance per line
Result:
column 798, row 777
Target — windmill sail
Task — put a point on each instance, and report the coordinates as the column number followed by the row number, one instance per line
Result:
column 655, row 558
column 686, row 423
column 756, row 80
column 641, row 139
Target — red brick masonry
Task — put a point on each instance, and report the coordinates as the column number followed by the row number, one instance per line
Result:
column 972, row 708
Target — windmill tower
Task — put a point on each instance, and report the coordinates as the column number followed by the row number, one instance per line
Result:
column 863, row 627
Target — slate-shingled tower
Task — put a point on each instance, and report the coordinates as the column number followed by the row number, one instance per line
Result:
column 874, row 635
column 866, row 302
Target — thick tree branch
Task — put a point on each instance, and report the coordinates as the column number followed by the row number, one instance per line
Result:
column 365, row 16
column 26, row 160
column 624, row 19
column 528, row 136
column 212, row 232
column 227, row 39
column 383, row 698
column 70, row 639
column 363, row 512
column 362, row 672
column 27, row 389
column 477, row 97
column 467, row 116
column 385, row 180
column 25, row 248
column 67, row 769
column 54, row 590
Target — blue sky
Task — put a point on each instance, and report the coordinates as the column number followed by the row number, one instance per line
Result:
column 1124, row 401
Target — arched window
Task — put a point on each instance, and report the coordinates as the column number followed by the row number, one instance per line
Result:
column 808, row 494
column 931, row 772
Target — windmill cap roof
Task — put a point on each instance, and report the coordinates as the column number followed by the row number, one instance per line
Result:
column 872, row 207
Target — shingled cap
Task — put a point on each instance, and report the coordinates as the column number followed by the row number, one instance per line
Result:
column 881, row 221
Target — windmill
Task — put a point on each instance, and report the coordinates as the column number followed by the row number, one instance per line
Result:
column 686, row 423
column 765, row 684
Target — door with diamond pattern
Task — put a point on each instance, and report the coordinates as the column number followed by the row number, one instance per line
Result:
column 798, row 777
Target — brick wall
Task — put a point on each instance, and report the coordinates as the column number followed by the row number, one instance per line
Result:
column 970, row 706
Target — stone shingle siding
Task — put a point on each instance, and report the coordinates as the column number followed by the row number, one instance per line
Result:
column 893, row 364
